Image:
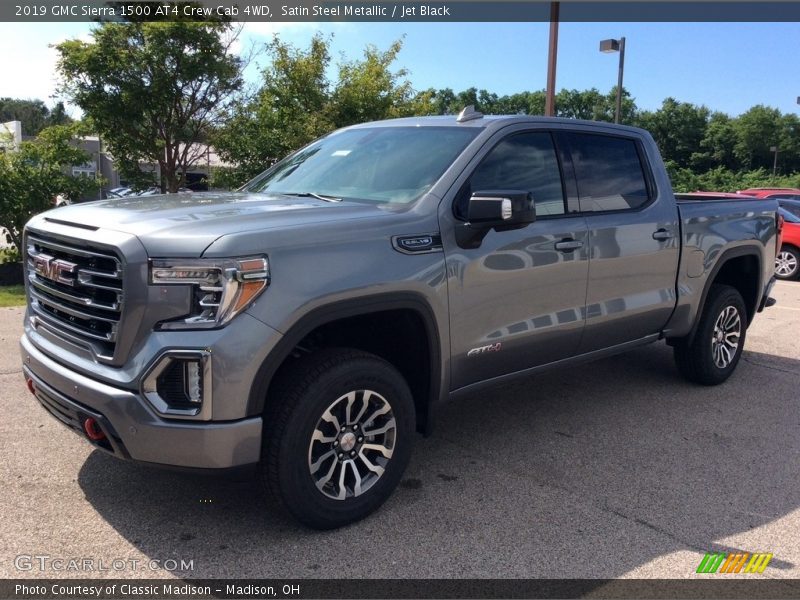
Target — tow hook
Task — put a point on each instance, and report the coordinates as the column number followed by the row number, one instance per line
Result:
column 93, row 431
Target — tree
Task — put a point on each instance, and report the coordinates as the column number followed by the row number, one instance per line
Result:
column 153, row 90
column 289, row 110
column 678, row 128
column 586, row 104
column 756, row 131
column 368, row 90
column 33, row 175
column 717, row 146
column 33, row 114
column 296, row 102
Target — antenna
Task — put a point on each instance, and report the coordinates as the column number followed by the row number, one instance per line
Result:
column 468, row 114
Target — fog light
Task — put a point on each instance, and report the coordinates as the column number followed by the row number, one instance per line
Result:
column 193, row 383
column 179, row 385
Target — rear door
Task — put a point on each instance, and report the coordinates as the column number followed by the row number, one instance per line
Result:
column 517, row 298
column 634, row 238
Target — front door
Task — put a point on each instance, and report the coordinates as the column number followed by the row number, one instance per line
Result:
column 518, row 299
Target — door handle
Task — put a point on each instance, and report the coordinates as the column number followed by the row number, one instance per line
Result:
column 662, row 234
column 568, row 245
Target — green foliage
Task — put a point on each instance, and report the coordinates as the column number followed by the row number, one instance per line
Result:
column 678, row 128
column 297, row 103
column 12, row 295
column 368, row 90
column 290, row 109
column 757, row 129
column 33, row 114
column 227, row 178
column 36, row 173
column 153, row 90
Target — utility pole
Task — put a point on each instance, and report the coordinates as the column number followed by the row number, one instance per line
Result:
column 552, row 54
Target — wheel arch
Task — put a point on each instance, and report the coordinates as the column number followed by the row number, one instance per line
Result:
column 344, row 322
column 740, row 268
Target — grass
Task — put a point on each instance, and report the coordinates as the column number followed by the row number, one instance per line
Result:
column 12, row 295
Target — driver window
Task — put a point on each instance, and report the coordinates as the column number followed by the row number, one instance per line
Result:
column 523, row 161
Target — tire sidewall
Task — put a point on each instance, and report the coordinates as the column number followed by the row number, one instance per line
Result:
column 725, row 297
column 796, row 255
column 301, row 496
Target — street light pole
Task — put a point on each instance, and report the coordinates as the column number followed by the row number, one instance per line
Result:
column 552, row 53
column 775, row 160
column 616, row 46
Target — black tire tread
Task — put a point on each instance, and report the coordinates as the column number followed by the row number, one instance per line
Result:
column 289, row 390
column 693, row 359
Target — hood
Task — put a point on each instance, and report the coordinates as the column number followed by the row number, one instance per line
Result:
column 186, row 224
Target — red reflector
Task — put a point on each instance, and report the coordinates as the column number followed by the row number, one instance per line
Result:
column 93, row 431
column 31, row 386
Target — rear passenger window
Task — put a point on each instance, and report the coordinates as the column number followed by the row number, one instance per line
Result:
column 523, row 161
column 609, row 172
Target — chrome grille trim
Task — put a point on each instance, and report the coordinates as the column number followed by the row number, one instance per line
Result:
column 76, row 290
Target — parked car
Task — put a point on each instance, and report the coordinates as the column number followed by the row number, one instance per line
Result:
column 150, row 191
column 793, row 206
column 119, row 192
column 156, row 191
column 787, row 263
column 311, row 321
column 698, row 195
column 773, row 193
column 61, row 200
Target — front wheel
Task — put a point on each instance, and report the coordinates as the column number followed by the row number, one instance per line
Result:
column 787, row 263
column 714, row 352
column 340, row 437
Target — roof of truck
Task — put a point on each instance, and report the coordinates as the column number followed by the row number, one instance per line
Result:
column 491, row 121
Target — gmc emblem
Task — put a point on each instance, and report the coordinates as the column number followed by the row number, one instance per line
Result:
column 54, row 269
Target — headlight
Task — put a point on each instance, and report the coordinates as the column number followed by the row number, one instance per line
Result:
column 222, row 287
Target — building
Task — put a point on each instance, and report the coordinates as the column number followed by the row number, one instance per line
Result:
column 10, row 135
column 101, row 162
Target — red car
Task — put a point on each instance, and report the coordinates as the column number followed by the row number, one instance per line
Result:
column 699, row 195
column 775, row 193
column 787, row 263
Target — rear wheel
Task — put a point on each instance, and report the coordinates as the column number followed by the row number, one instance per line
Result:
column 787, row 263
column 714, row 352
column 340, row 437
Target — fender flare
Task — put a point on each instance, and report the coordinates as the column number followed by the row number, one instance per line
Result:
column 352, row 308
column 727, row 255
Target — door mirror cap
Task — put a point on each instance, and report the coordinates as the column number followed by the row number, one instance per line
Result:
column 501, row 208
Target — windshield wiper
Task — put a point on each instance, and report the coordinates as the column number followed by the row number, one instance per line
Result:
column 311, row 195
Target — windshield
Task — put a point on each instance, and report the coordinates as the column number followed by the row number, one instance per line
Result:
column 375, row 164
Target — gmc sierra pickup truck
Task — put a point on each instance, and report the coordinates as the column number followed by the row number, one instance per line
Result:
column 310, row 322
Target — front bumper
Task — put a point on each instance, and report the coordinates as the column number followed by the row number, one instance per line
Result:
column 134, row 431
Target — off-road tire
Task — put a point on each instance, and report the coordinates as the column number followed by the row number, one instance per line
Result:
column 301, row 396
column 696, row 360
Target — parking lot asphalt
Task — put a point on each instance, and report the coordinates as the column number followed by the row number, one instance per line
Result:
column 618, row 468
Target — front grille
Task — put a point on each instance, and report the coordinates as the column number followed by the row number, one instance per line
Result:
column 76, row 290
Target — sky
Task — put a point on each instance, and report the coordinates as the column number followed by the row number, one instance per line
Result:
column 725, row 66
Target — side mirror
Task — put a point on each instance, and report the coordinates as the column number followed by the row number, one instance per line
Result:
column 501, row 208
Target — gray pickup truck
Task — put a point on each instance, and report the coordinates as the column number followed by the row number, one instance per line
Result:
column 310, row 322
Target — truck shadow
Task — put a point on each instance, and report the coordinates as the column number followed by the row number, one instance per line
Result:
column 592, row 471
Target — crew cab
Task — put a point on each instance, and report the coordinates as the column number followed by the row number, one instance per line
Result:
column 311, row 321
